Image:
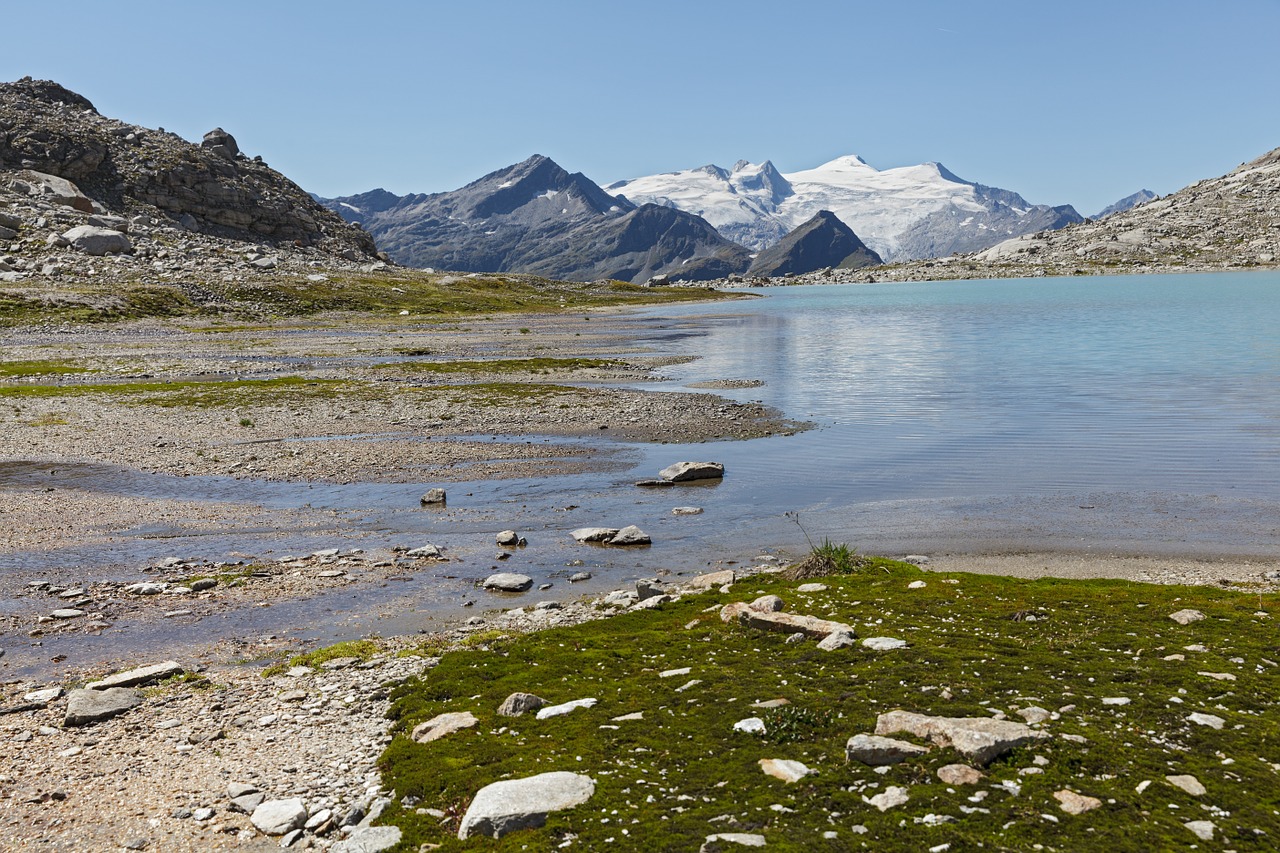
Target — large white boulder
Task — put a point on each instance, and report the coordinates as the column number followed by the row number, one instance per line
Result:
column 513, row 804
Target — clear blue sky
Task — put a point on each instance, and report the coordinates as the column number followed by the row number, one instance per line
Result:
column 1080, row 102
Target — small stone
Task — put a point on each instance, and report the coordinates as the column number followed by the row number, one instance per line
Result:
column 722, row 842
column 630, row 536
column 277, row 817
column 369, row 839
column 1203, row 829
column 291, row 838
column 43, row 697
column 683, row 472
column 712, row 580
column 1190, row 784
column 1034, row 714
column 1211, row 720
column 508, row 539
column 427, row 551
column 672, row 673
column 751, row 726
column 767, row 604
column 687, row 510
column 784, row 768
column 1116, row 700
column 959, row 774
column 67, row 613
column 239, row 789
column 203, row 814
column 917, row 585
column 812, row 587
column 893, row 796
column 771, row 703
column 517, row 703
column 578, row 577
column 434, row 497
column 442, row 725
column 1073, row 803
column 508, row 582
column 1186, row 617
column 594, row 534
column 138, row 677
column 884, row 644
column 837, row 640
column 564, row 708
column 138, row 843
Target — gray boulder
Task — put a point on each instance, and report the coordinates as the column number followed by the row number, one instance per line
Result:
column 90, row 706
column 504, row 807
column 683, row 472
column 442, row 725
column 594, row 534
column 276, row 817
column 630, row 535
column 980, row 739
column 219, row 142
column 517, row 703
column 508, row 582
column 97, row 241
column 434, row 497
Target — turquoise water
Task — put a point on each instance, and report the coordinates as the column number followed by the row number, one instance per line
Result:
column 1015, row 387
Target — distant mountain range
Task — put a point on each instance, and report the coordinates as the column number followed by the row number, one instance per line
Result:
column 911, row 212
column 700, row 224
column 1127, row 203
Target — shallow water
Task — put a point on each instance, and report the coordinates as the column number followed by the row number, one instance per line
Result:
column 1135, row 415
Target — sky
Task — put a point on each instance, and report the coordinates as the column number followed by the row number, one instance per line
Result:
column 1066, row 103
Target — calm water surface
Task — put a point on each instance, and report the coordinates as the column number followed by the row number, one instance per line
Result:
column 937, row 390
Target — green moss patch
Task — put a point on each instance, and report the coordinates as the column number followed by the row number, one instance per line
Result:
column 193, row 393
column 359, row 649
column 504, row 365
column 978, row 646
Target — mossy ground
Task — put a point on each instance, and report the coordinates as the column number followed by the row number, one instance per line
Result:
column 361, row 649
column 378, row 295
column 989, row 643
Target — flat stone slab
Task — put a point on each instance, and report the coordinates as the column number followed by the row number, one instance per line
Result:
column 891, row 797
column 90, row 706
column 980, row 739
column 683, row 472
column 594, row 534
column 629, row 536
column 722, row 842
column 508, row 582
column 884, row 644
column 142, row 675
column 276, row 817
column 712, row 579
column 959, row 774
column 788, row 623
column 879, row 751
column 1190, row 784
column 444, row 724
column 784, row 768
column 1073, row 803
column 1186, row 617
column 369, row 839
column 506, row 806
column 564, row 708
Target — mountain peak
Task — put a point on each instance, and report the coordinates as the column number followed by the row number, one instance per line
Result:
column 848, row 161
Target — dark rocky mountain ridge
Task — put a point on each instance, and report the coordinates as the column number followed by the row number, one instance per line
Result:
column 824, row 241
column 535, row 217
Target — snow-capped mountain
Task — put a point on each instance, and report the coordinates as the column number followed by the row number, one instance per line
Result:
column 903, row 213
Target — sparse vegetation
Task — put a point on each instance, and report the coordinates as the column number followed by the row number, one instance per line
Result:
column 667, row 781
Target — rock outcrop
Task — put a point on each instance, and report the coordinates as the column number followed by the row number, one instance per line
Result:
column 122, row 168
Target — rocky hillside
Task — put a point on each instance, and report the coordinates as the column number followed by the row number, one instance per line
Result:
column 535, row 217
column 824, row 241
column 1226, row 223
column 77, row 187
